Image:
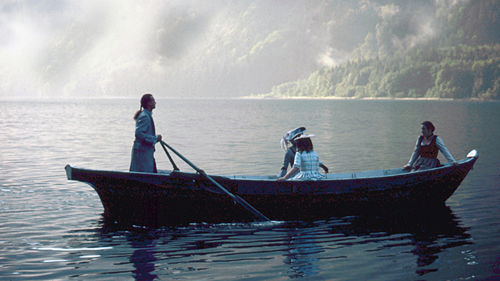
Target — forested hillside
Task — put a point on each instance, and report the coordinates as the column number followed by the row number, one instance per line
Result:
column 462, row 61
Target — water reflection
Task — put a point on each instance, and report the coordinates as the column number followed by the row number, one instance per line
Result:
column 143, row 257
column 305, row 248
column 430, row 231
column 143, row 247
column 427, row 231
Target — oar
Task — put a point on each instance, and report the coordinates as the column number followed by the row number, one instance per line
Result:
column 169, row 158
column 235, row 197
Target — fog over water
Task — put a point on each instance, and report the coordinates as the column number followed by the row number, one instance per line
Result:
column 214, row 48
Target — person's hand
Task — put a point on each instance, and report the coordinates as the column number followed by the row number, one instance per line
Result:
column 406, row 167
column 325, row 168
column 455, row 163
column 281, row 179
column 158, row 138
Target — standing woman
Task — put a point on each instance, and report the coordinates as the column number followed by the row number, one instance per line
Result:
column 145, row 137
column 426, row 150
column 306, row 161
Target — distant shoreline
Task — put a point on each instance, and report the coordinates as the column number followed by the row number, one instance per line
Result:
column 365, row 98
column 55, row 99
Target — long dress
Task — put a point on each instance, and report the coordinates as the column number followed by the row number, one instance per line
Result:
column 143, row 149
column 425, row 156
column 308, row 163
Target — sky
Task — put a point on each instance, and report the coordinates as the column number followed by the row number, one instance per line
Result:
column 192, row 49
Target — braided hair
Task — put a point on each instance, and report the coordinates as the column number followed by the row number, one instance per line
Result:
column 144, row 102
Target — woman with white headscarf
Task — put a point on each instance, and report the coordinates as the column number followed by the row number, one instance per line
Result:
column 306, row 161
column 288, row 143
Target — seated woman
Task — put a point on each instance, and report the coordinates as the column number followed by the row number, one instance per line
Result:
column 288, row 143
column 426, row 150
column 306, row 161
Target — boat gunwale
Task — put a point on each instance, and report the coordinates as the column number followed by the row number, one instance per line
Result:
column 471, row 156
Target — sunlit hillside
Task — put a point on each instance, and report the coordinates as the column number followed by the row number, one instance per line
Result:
column 462, row 61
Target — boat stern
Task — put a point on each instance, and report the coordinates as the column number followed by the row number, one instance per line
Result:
column 68, row 169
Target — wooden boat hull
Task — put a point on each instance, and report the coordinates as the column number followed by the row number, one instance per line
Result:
column 174, row 197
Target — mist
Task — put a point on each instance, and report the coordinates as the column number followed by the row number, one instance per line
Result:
column 194, row 49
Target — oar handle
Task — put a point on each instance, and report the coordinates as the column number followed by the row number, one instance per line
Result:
column 235, row 197
column 182, row 157
column 169, row 158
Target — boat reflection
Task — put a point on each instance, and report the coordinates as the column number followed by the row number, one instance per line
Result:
column 305, row 248
column 429, row 231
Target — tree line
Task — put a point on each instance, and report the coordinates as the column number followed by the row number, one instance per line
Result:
column 463, row 63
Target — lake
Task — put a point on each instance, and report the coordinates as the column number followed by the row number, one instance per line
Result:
column 53, row 229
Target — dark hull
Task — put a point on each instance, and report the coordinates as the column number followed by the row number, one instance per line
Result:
column 179, row 197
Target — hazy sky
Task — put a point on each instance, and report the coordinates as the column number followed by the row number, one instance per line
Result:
column 209, row 48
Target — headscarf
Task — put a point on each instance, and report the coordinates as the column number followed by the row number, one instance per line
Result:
column 290, row 136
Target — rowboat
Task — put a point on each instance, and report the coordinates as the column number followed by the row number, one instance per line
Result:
column 173, row 197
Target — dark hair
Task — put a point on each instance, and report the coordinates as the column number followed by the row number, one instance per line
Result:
column 304, row 144
column 429, row 125
column 144, row 102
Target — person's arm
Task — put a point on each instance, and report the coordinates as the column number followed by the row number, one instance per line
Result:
column 415, row 153
column 289, row 155
column 323, row 167
column 294, row 169
column 289, row 174
column 141, row 128
column 282, row 173
column 444, row 150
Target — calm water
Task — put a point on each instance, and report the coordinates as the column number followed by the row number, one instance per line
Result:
column 51, row 228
